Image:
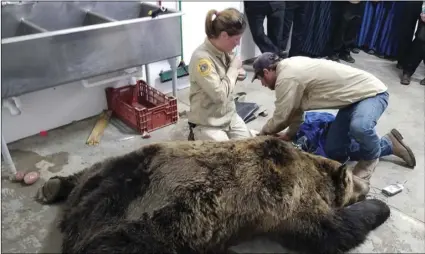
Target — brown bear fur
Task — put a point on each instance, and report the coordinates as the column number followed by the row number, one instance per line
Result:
column 205, row 196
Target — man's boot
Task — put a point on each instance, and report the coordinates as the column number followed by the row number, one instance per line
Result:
column 405, row 80
column 365, row 168
column 400, row 149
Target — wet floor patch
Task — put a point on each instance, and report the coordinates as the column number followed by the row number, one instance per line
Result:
column 30, row 161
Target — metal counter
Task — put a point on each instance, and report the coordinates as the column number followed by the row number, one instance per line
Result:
column 46, row 44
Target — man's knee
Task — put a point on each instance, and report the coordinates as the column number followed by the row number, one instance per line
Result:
column 362, row 130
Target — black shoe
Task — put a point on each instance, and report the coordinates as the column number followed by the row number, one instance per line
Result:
column 355, row 50
column 422, row 82
column 405, row 80
column 347, row 57
column 334, row 58
column 371, row 52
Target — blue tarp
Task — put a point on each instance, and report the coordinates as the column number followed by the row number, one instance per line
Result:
column 312, row 133
column 311, row 136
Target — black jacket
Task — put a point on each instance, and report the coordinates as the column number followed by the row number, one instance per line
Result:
column 420, row 32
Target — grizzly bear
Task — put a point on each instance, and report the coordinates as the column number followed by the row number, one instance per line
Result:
column 206, row 196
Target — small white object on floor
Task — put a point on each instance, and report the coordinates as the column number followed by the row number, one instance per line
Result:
column 392, row 189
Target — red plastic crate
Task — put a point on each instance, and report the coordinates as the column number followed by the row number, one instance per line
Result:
column 142, row 107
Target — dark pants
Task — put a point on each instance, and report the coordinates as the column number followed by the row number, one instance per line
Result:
column 416, row 52
column 406, row 28
column 346, row 22
column 295, row 14
column 256, row 12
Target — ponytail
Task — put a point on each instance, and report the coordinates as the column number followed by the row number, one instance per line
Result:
column 209, row 28
column 229, row 20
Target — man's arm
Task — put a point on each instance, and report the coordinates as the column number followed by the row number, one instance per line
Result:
column 208, row 79
column 295, row 123
column 288, row 99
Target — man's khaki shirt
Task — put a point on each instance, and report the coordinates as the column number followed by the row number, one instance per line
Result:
column 305, row 83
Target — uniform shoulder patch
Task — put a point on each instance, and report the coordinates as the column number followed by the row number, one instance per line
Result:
column 204, row 66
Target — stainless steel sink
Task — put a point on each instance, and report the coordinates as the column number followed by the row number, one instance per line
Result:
column 46, row 44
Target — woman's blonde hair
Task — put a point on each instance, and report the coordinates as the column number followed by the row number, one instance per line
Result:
column 229, row 20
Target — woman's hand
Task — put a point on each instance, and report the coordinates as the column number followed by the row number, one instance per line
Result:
column 242, row 74
column 236, row 63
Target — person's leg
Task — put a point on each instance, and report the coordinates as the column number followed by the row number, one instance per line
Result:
column 353, row 22
column 335, row 42
column 275, row 24
column 299, row 21
column 362, row 128
column 337, row 139
column 345, row 54
column 406, row 29
column 411, row 61
column 392, row 144
column 209, row 133
column 255, row 16
column 287, row 24
column 238, row 129
column 356, row 24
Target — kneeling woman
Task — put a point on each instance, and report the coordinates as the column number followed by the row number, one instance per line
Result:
column 213, row 72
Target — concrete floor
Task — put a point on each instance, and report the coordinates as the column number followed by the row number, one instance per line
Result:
column 29, row 227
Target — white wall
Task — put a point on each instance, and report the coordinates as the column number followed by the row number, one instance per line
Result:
column 55, row 107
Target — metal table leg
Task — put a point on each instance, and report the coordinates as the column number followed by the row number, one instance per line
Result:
column 173, row 65
column 6, row 155
column 147, row 72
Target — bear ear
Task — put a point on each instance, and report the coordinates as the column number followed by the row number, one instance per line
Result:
column 341, row 173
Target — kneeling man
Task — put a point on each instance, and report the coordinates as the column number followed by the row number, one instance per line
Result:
column 303, row 83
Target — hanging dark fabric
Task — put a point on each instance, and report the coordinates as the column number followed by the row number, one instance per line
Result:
column 318, row 18
column 378, row 30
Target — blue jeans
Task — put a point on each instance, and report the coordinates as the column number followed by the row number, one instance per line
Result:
column 352, row 135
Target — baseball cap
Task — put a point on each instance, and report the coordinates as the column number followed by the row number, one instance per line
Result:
column 264, row 61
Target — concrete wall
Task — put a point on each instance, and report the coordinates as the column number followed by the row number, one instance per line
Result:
column 55, row 107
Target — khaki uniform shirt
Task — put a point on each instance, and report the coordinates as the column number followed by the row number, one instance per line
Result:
column 309, row 84
column 212, row 81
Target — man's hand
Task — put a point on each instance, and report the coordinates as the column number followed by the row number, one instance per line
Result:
column 284, row 136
